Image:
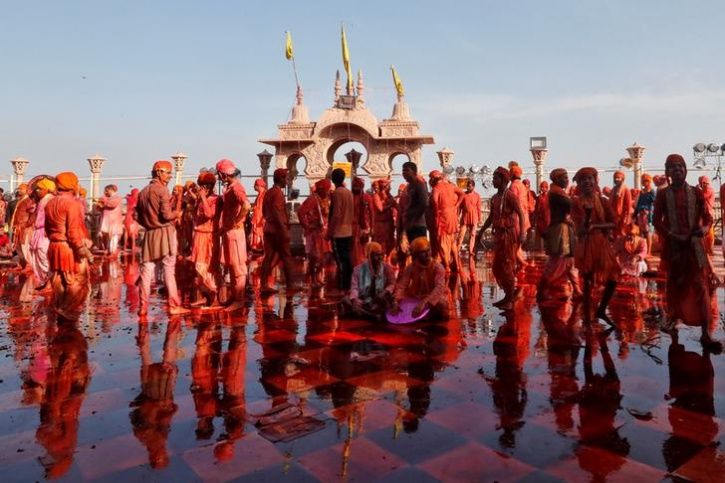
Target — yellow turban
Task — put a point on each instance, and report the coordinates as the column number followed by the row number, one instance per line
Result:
column 67, row 181
column 47, row 184
column 420, row 244
column 373, row 247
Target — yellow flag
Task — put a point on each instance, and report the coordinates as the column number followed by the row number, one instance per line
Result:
column 346, row 60
column 289, row 52
column 398, row 83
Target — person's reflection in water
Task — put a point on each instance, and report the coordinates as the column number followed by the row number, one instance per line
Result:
column 154, row 407
column 599, row 400
column 561, row 325
column 511, row 348
column 205, row 374
column 232, row 406
column 276, row 355
column 65, row 391
column 130, row 278
column 692, row 384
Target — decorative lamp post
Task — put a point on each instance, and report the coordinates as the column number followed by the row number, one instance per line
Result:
column 95, row 162
column 539, row 151
column 20, row 164
column 445, row 157
column 179, row 161
column 265, row 159
column 636, row 152
column 353, row 157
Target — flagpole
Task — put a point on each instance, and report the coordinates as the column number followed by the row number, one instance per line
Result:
column 294, row 69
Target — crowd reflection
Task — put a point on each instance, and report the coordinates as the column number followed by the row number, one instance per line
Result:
column 307, row 361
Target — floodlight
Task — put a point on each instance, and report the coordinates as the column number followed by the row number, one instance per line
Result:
column 447, row 169
column 700, row 163
column 713, row 148
column 699, row 148
column 460, row 171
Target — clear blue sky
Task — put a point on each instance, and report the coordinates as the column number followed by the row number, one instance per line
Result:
column 138, row 80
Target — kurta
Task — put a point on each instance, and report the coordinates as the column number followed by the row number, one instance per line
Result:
column 65, row 229
column 257, row 235
column 313, row 215
column 470, row 209
column 631, row 255
column 708, row 195
column 111, row 216
column 519, row 189
column 155, row 213
column 384, row 220
column 362, row 219
column 620, row 202
column 427, row 284
column 680, row 211
column 234, row 211
column 205, row 244
column 506, row 237
column 594, row 255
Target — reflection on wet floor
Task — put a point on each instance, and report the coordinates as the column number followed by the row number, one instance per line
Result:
column 283, row 390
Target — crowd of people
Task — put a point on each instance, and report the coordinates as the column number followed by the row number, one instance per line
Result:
column 392, row 253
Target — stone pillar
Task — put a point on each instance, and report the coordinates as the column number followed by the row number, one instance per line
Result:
column 539, row 155
column 96, row 163
column 353, row 157
column 265, row 159
column 445, row 157
column 636, row 153
column 20, row 164
column 179, row 161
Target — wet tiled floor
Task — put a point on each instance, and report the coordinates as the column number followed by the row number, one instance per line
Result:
column 284, row 391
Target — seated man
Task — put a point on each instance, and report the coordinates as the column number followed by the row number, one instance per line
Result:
column 632, row 251
column 423, row 280
column 371, row 290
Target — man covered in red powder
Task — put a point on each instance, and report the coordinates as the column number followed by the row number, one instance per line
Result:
column 620, row 201
column 205, row 244
column 129, row 223
column 313, row 215
column 362, row 220
column 384, row 207
column 708, row 195
column 256, row 238
column 21, row 224
column 68, row 252
column 522, row 195
column 155, row 213
column 682, row 219
column 235, row 207
column 508, row 222
column 276, row 233
column 110, row 206
column 445, row 200
column 470, row 212
column 594, row 256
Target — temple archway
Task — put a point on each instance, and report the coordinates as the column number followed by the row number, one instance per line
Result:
column 348, row 121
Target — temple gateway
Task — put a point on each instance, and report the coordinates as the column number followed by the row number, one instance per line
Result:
column 348, row 120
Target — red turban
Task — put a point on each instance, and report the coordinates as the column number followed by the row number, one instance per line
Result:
column 206, row 178
column 260, row 182
column 358, row 182
column 435, row 174
column 588, row 171
column 226, row 166
column 163, row 164
column 280, row 173
column 323, row 185
column 504, row 173
column 618, row 173
column 67, row 181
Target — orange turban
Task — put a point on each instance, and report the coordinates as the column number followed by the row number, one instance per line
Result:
column 435, row 174
column 162, row 164
column 226, row 166
column 646, row 177
column 420, row 244
column 82, row 192
column 206, row 178
column 67, row 181
column 618, row 173
column 260, row 182
column 23, row 186
column 373, row 247
column 588, row 171
column 516, row 171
